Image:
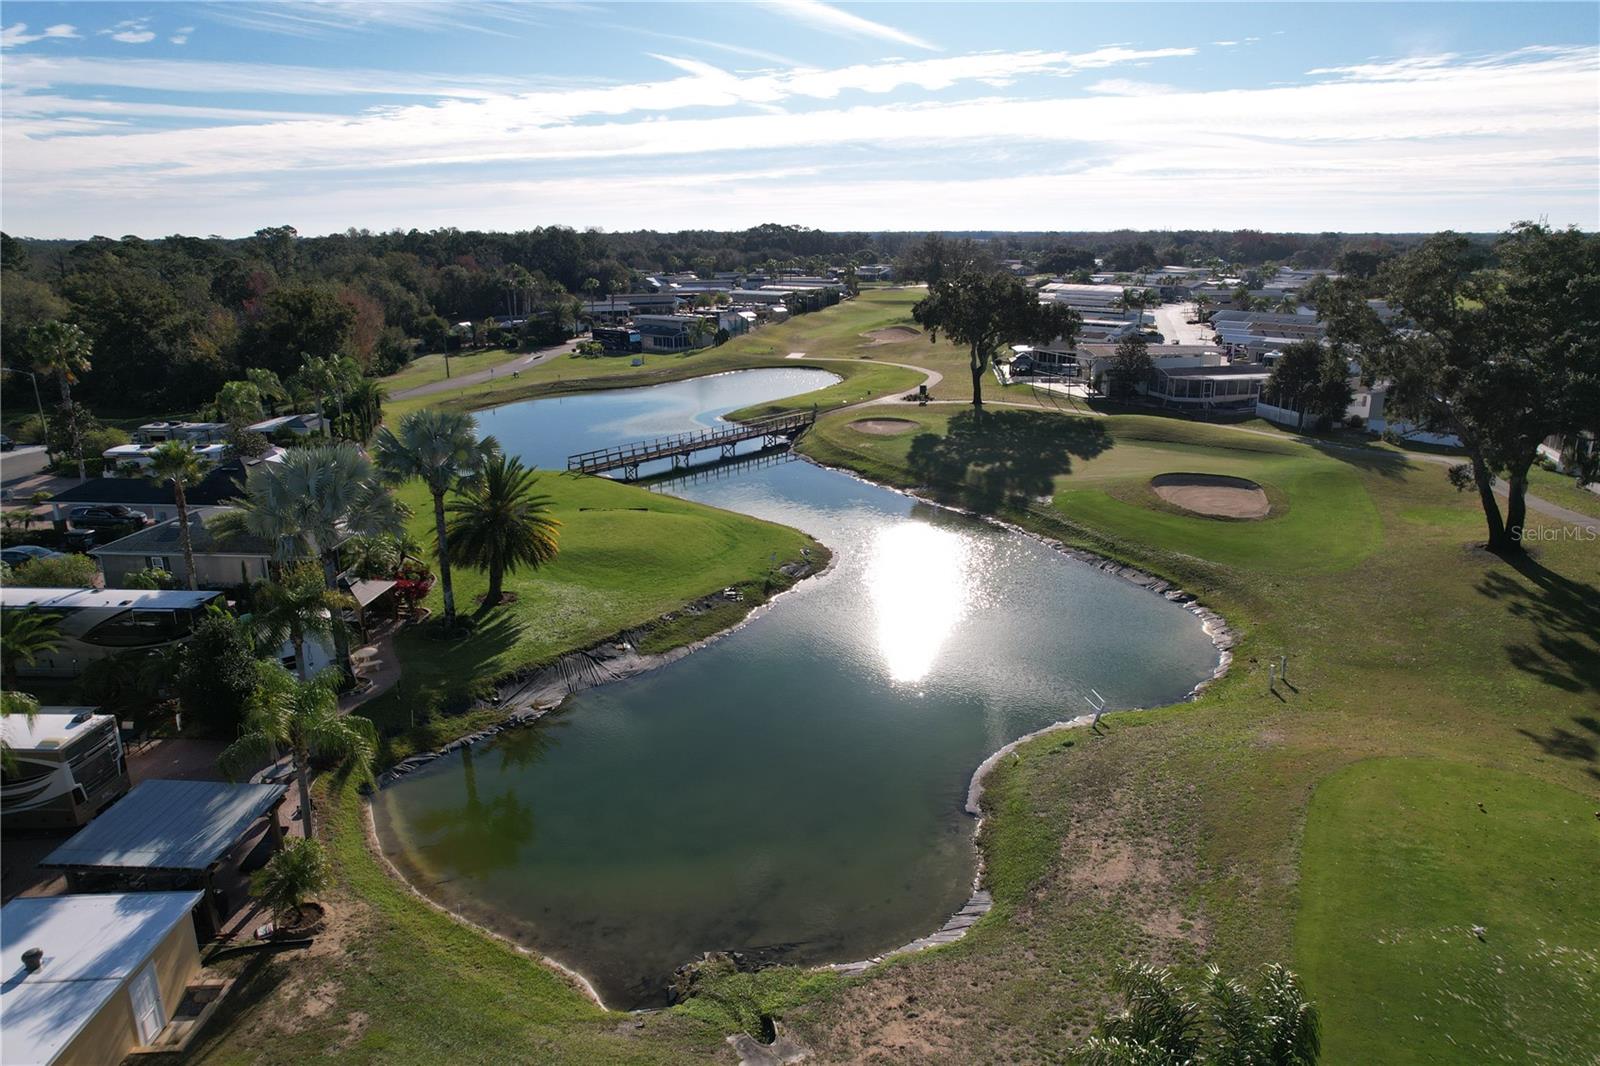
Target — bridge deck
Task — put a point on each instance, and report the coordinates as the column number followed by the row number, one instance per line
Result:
column 629, row 457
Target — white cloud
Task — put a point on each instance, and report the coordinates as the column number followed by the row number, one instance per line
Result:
column 1466, row 143
column 1224, row 44
column 17, row 34
column 830, row 19
column 327, row 18
column 182, row 35
column 1127, row 87
column 131, row 31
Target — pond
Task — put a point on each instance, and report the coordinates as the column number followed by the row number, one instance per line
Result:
column 794, row 790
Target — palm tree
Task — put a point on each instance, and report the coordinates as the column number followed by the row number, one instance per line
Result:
column 297, row 607
column 1274, row 1026
column 238, row 402
column 303, row 717
column 176, row 464
column 1156, row 1025
column 315, row 498
column 366, row 408
column 62, row 349
column 15, row 703
column 26, row 636
column 291, row 877
column 499, row 524
column 271, row 390
column 442, row 448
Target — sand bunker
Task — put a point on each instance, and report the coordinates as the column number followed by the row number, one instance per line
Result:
column 1212, row 494
column 891, row 334
column 883, row 427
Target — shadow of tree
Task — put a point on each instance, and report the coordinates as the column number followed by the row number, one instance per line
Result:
column 1565, row 613
column 1004, row 456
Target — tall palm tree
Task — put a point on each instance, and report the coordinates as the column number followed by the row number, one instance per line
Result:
column 62, row 349
column 1274, row 1026
column 441, row 448
column 366, row 408
column 296, row 608
column 303, row 717
column 313, row 499
column 26, row 636
column 499, row 523
column 175, row 463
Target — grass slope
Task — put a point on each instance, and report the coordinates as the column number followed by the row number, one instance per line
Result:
column 627, row 556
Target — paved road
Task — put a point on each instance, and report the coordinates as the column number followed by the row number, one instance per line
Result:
column 500, row 370
column 24, row 461
column 1172, row 321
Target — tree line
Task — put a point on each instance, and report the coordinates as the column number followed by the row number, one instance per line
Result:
column 172, row 319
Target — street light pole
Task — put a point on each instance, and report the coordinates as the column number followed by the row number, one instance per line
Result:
column 38, row 402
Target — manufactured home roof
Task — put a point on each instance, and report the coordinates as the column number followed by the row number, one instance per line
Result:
column 92, row 944
column 168, row 825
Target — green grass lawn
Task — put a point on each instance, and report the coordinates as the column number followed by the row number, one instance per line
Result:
column 427, row 369
column 1404, row 857
column 1563, row 490
column 628, row 555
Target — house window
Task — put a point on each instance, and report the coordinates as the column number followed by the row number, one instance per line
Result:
column 158, row 562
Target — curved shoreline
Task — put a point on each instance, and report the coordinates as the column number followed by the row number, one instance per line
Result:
column 980, row 902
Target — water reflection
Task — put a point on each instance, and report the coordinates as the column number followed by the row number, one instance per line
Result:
column 921, row 583
column 482, row 836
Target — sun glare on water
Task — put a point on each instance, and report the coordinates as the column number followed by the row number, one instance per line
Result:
column 920, row 582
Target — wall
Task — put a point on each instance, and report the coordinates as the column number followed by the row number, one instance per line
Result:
column 109, row 1035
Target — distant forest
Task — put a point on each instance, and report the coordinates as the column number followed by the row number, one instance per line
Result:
column 172, row 319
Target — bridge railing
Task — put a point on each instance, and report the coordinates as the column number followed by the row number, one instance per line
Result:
column 636, row 452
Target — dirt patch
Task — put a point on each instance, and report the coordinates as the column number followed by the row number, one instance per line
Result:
column 892, row 334
column 883, row 427
column 1213, row 495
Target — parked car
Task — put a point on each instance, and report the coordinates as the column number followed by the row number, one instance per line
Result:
column 6, row 443
column 113, row 516
column 18, row 554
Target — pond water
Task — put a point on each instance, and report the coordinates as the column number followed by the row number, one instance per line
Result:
column 796, row 789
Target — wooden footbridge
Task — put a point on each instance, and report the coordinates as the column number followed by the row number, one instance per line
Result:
column 773, row 431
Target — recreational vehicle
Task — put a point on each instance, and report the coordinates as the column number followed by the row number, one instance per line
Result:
column 96, row 624
column 61, row 767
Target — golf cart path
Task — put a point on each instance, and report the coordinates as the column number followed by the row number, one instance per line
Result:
column 521, row 362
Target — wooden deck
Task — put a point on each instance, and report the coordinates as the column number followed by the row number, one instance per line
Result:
column 773, row 431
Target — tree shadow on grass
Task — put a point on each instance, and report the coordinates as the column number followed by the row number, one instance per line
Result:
column 441, row 673
column 1565, row 650
column 1004, row 456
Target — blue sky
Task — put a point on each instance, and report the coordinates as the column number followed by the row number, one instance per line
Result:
column 157, row 118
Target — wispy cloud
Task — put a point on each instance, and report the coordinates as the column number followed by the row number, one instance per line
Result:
column 328, row 18
column 131, row 31
column 1452, row 142
column 182, row 36
column 832, row 20
column 17, row 34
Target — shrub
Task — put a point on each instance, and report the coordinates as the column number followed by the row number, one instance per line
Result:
column 291, row 877
column 217, row 674
column 97, row 440
column 59, row 572
column 33, row 430
column 151, row 577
